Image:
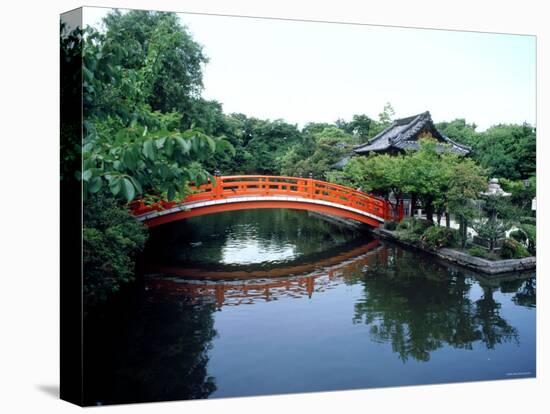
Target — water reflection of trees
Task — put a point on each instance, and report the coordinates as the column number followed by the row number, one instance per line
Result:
column 268, row 227
column 525, row 291
column 162, row 355
column 419, row 307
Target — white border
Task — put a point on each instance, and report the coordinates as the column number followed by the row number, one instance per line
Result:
column 30, row 204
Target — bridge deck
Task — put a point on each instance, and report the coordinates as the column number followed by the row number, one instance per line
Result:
column 247, row 192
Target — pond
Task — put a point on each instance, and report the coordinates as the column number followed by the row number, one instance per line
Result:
column 279, row 301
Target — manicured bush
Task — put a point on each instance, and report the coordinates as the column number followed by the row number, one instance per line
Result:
column 408, row 236
column 390, row 225
column 419, row 226
column 479, row 252
column 519, row 236
column 512, row 249
column 405, row 224
column 530, row 231
column 436, row 237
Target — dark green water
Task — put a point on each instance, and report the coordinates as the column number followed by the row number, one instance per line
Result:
column 344, row 312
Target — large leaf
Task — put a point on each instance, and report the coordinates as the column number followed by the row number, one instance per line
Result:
column 95, row 184
column 86, row 175
column 115, row 185
column 128, row 190
column 149, row 149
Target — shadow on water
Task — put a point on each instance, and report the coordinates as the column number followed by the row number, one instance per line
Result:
column 171, row 335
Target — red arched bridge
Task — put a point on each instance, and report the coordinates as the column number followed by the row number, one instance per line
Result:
column 242, row 192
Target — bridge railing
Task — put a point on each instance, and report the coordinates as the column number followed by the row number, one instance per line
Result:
column 264, row 185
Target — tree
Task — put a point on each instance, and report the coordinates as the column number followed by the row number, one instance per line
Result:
column 523, row 192
column 386, row 116
column 156, row 43
column 427, row 172
column 466, row 181
column 508, row 151
column 359, row 126
column 382, row 174
column 111, row 239
column 267, row 142
column 460, row 131
column 316, row 153
column 129, row 147
column 497, row 217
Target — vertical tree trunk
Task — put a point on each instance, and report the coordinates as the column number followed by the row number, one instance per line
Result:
column 413, row 204
column 439, row 218
column 429, row 211
column 447, row 220
column 465, row 233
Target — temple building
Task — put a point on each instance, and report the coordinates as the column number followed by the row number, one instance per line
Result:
column 403, row 134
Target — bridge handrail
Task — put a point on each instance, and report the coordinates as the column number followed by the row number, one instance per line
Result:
column 265, row 185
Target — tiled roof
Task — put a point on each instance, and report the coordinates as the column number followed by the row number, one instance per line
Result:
column 402, row 132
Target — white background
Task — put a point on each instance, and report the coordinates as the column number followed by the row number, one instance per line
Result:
column 29, row 207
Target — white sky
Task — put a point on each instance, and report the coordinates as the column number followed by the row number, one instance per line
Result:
column 318, row 72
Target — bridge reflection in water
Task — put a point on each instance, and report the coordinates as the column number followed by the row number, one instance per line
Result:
column 233, row 288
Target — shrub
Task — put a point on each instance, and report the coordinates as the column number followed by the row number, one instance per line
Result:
column 390, row 225
column 479, row 252
column 408, row 236
column 519, row 236
column 512, row 249
column 405, row 224
column 419, row 226
column 530, row 231
column 111, row 239
column 438, row 237
column 528, row 220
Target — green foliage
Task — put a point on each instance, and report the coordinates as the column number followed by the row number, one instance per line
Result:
column 479, row 252
column 317, row 153
column 508, row 151
column 512, row 249
column 419, row 226
column 505, row 150
column 530, row 234
column 466, row 181
column 491, row 229
column 161, row 54
column 405, row 224
column 383, row 175
column 390, row 225
column 386, row 116
column 460, row 131
column 518, row 235
column 111, row 239
column 523, row 192
column 497, row 217
column 360, row 126
column 528, row 220
column 138, row 78
column 436, row 237
column 70, row 85
column 137, row 161
column 412, row 229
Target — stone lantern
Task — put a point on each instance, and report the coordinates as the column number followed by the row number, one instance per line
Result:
column 494, row 189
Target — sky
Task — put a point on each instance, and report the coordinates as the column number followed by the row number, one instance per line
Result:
column 318, row 72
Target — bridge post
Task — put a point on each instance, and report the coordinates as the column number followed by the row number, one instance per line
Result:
column 218, row 189
column 311, row 186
